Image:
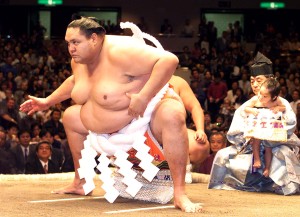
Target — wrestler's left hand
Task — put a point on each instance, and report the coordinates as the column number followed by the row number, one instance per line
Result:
column 137, row 105
column 200, row 136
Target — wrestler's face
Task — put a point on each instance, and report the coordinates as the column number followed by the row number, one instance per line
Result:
column 256, row 83
column 81, row 48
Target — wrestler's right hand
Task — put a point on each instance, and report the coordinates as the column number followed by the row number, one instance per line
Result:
column 137, row 105
column 34, row 104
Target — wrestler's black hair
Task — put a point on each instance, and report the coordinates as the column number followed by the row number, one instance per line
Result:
column 87, row 25
column 273, row 86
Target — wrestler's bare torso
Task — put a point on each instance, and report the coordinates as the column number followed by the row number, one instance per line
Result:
column 102, row 90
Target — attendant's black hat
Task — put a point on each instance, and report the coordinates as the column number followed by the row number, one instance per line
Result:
column 262, row 66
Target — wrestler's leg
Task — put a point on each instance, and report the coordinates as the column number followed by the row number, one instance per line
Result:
column 255, row 149
column 198, row 152
column 168, row 127
column 76, row 134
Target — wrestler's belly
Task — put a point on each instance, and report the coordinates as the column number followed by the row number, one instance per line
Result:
column 101, row 120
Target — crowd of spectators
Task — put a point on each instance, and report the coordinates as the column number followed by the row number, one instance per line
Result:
column 219, row 78
column 31, row 66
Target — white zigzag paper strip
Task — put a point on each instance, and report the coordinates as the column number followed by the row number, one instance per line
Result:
column 133, row 186
column 108, row 182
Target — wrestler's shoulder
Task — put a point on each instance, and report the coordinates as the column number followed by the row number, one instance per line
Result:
column 122, row 40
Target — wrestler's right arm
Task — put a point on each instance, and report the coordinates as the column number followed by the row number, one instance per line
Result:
column 62, row 93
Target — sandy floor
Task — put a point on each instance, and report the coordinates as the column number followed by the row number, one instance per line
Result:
column 27, row 197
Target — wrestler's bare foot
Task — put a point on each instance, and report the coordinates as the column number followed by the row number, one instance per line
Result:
column 74, row 188
column 184, row 203
column 266, row 172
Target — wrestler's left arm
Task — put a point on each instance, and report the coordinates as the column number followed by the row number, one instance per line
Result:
column 158, row 64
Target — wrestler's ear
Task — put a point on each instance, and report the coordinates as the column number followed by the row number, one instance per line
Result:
column 94, row 37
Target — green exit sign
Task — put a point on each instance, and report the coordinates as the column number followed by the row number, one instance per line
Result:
column 50, row 2
column 272, row 5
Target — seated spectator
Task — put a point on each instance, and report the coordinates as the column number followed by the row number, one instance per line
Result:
column 41, row 163
column 61, row 108
column 227, row 109
column 244, row 83
column 7, row 160
column 11, row 84
column 44, row 116
column 216, row 93
column 12, row 135
column 297, row 83
column 8, row 67
column 9, row 113
column 185, row 57
column 196, row 52
column 57, row 154
column 199, row 93
column 207, row 80
column 23, row 151
column 188, row 29
column 35, row 133
column 296, row 100
column 207, row 123
column 28, row 121
column 284, row 93
column 290, row 82
column 220, row 123
column 55, row 125
column 217, row 141
column 240, row 98
column 19, row 93
column 3, row 87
